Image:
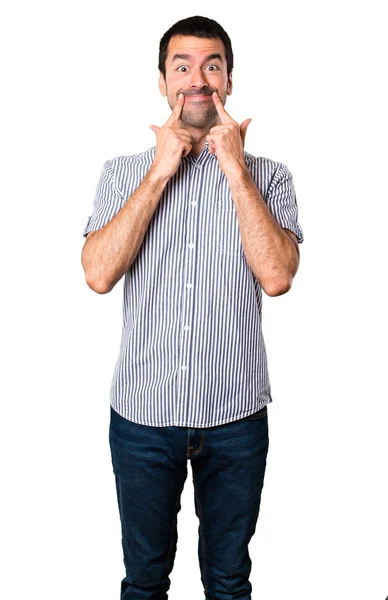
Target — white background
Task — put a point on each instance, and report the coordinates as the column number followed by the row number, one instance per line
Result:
column 80, row 87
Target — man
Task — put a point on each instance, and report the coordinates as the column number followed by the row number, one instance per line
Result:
column 198, row 227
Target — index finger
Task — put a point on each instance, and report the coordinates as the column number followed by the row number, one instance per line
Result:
column 177, row 110
column 224, row 116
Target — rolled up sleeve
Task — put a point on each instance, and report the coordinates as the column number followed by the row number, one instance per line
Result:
column 107, row 202
column 281, row 201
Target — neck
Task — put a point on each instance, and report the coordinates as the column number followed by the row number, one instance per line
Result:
column 197, row 142
column 198, row 135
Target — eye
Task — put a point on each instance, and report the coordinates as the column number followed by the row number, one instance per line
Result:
column 182, row 69
column 212, row 68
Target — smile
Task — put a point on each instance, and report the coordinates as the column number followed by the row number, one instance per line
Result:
column 197, row 98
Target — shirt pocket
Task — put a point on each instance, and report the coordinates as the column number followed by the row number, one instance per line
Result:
column 228, row 231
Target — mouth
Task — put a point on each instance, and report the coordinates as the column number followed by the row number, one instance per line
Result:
column 198, row 98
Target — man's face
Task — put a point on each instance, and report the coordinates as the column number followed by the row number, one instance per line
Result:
column 196, row 67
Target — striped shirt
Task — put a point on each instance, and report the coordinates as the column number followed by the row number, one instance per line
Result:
column 192, row 352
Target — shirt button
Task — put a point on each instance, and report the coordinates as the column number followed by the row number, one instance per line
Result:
column 191, row 246
column 186, row 328
column 193, row 203
column 189, row 286
column 183, row 367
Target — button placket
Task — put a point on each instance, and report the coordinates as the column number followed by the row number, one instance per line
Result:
column 188, row 287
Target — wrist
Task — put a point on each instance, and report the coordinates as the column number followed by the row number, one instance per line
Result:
column 238, row 174
column 156, row 177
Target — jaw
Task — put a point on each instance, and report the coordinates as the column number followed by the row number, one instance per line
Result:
column 199, row 116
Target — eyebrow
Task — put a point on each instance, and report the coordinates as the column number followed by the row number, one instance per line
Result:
column 214, row 56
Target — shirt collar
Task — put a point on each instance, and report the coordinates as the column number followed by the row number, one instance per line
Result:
column 203, row 157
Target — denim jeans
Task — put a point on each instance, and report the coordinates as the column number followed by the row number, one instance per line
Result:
column 150, row 466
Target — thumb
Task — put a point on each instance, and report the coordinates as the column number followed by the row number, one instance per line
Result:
column 243, row 129
column 155, row 129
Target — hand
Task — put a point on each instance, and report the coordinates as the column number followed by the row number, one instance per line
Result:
column 227, row 140
column 172, row 142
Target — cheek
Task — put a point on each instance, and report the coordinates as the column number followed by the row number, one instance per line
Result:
column 172, row 88
column 222, row 85
column 173, row 80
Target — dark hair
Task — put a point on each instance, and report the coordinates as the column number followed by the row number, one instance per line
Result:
column 201, row 27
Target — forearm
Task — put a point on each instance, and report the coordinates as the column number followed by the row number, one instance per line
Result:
column 109, row 252
column 269, row 251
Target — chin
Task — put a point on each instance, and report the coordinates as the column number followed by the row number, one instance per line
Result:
column 199, row 121
column 196, row 123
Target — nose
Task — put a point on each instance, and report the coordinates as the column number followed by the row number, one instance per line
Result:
column 198, row 79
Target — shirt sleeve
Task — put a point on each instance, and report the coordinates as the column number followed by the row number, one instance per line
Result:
column 281, row 201
column 107, row 202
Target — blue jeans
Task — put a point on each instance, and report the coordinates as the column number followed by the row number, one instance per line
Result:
column 150, row 466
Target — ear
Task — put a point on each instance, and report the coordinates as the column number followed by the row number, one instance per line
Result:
column 162, row 84
column 229, row 86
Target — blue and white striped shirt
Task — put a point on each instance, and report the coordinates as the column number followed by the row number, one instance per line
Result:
column 192, row 352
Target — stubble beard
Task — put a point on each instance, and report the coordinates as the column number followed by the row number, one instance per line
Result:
column 199, row 118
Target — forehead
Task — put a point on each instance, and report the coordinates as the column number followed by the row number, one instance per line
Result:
column 194, row 46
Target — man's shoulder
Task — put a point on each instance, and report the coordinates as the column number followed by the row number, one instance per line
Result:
column 261, row 162
column 266, row 169
column 126, row 171
column 132, row 160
